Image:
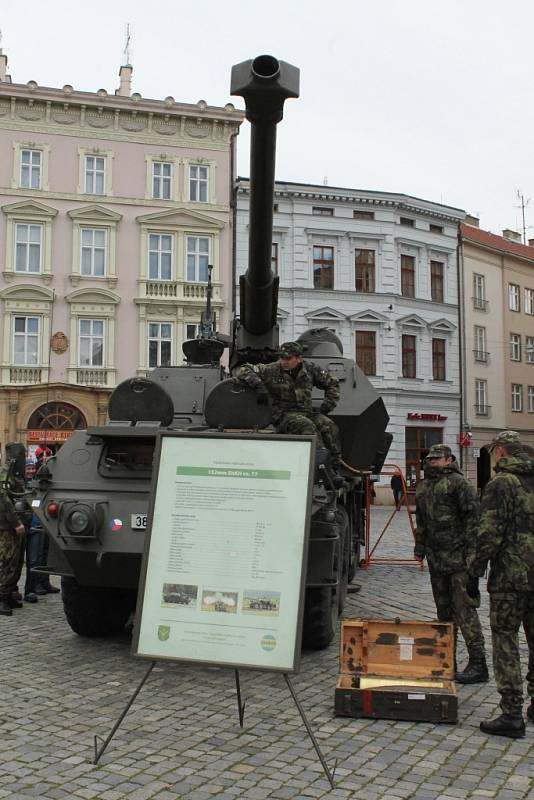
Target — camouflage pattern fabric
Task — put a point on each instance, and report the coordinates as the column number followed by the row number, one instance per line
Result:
column 453, row 604
column 447, row 513
column 506, row 540
column 507, row 611
column 11, row 547
column 291, row 394
column 506, row 534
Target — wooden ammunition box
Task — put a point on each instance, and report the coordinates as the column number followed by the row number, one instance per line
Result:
column 397, row 669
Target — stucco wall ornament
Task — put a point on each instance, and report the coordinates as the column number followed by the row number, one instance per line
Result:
column 59, row 343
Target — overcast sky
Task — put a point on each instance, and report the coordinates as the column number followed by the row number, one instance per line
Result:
column 425, row 97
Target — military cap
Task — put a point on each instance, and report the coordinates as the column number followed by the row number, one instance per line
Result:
column 440, row 451
column 503, row 439
column 289, row 349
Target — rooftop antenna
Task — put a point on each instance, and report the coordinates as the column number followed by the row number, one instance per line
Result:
column 126, row 51
column 0, row 40
column 325, row 180
column 522, row 205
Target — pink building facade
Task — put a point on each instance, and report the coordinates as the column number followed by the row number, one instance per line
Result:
column 111, row 209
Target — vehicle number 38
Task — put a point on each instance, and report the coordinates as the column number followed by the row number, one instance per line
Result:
column 138, row 522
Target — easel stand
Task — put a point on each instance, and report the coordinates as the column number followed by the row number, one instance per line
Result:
column 241, row 712
column 370, row 558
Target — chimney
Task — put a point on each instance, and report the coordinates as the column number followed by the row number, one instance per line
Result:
column 512, row 236
column 4, row 78
column 531, row 242
column 125, row 76
column 472, row 220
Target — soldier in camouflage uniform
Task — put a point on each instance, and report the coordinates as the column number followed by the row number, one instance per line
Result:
column 289, row 382
column 11, row 532
column 447, row 512
column 506, row 541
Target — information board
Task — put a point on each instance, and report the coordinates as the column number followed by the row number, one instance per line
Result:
column 223, row 574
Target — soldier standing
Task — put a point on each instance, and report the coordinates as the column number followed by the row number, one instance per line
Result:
column 447, row 512
column 289, row 382
column 11, row 535
column 506, row 540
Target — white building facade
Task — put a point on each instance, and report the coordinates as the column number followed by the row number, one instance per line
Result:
column 380, row 269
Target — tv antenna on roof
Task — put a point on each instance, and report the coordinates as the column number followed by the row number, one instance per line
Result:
column 523, row 204
column 126, row 50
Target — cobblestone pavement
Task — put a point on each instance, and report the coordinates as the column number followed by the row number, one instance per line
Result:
column 181, row 739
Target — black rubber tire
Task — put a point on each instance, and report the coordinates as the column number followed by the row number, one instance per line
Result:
column 320, row 617
column 96, row 611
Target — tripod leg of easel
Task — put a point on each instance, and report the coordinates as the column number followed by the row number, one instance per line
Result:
column 310, row 732
column 240, row 705
column 99, row 753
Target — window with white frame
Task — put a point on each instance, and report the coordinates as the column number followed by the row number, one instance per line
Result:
column 515, row 346
column 159, row 344
column 517, row 397
column 93, row 252
column 26, row 332
column 191, row 330
column 198, row 256
column 479, row 291
column 31, row 162
column 160, row 249
column 529, row 349
column 514, row 302
column 480, row 343
column 529, row 301
column 91, row 343
column 28, row 243
column 481, row 397
column 95, row 174
column 198, row 183
column 530, row 398
column 161, row 180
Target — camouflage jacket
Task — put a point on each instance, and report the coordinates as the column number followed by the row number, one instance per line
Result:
column 506, row 533
column 8, row 517
column 447, row 512
column 291, row 390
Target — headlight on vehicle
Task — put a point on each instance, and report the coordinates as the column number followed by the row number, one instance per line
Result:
column 80, row 520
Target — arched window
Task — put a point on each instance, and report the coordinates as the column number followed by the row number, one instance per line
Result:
column 57, row 417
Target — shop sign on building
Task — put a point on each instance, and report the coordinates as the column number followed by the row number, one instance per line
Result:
column 48, row 436
column 414, row 415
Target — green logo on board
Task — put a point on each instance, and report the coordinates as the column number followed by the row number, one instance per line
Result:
column 163, row 632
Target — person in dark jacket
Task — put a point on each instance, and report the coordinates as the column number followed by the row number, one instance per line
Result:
column 447, row 512
column 506, row 540
column 396, row 488
column 289, row 383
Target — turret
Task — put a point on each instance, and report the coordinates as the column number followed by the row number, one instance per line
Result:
column 264, row 83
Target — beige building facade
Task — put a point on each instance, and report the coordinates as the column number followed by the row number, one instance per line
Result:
column 498, row 334
column 112, row 206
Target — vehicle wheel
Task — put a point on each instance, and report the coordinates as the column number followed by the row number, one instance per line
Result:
column 96, row 611
column 320, row 617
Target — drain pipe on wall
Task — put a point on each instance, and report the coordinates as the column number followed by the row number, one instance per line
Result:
column 461, row 337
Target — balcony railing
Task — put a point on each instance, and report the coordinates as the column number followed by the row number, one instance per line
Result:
column 25, row 375
column 481, row 355
column 178, row 290
column 482, row 410
column 92, row 377
column 480, row 303
column 161, row 289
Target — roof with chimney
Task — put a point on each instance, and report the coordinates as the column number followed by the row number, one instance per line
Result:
column 494, row 242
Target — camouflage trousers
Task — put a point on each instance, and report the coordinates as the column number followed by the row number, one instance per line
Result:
column 316, row 424
column 507, row 611
column 11, row 560
column 453, row 604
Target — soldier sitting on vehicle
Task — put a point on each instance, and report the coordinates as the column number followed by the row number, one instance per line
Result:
column 289, row 383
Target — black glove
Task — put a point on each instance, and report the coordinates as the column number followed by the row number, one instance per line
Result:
column 472, row 587
column 262, row 395
column 325, row 408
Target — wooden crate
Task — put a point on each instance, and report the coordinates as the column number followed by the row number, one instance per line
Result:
column 397, row 669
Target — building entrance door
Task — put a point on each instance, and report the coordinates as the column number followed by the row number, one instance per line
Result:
column 53, row 423
column 418, row 443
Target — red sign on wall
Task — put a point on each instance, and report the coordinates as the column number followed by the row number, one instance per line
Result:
column 426, row 417
column 464, row 439
column 48, row 436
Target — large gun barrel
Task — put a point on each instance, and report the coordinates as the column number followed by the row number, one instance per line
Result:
column 264, row 83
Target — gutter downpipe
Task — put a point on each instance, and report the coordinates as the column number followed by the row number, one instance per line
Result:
column 461, row 337
column 233, row 206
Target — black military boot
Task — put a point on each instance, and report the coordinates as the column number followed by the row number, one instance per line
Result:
column 511, row 725
column 476, row 670
column 530, row 710
column 5, row 609
column 12, row 603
